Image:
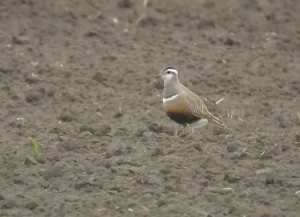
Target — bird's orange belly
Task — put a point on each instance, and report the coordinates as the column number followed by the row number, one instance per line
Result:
column 176, row 107
column 179, row 112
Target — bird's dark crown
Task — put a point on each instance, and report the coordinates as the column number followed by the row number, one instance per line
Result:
column 169, row 70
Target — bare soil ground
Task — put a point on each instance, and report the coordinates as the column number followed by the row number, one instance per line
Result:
column 79, row 77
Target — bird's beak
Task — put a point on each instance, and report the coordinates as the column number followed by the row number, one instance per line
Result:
column 159, row 75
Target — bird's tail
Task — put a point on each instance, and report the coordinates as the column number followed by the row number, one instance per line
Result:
column 217, row 121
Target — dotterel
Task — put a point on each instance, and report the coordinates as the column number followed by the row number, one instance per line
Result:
column 181, row 104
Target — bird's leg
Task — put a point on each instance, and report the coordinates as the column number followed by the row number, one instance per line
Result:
column 176, row 127
column 190, row 129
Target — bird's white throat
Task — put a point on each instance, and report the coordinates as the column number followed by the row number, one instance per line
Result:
column 167, row 78
column 165, row 100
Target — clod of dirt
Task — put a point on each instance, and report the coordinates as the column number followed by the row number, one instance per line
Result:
column 154, row 127
column 125, row 3
column 147, row 135
column 231, row 178
column 5, row 70
column 18, row 181
column 148, row 21
column 54, row 158
column 31, row 205
column 84, row 184
column 121, row 131
column 231, row 148
column 91, row 33
column 8, row 204
column 161, row 202
column 30, row 161
column 273, row 151
column 266, row 176
column 98, row 129
column 69, row 146
column 237, row 207
column 32, row 97
column 31, row 80
column 139, row 132
column 198, row 147
column 157, row 152
column 55, row 171
column 66, row 116
column 230, row 42
column 40, row 159
column 209, row 162
column 270, row 180
column 271, row 215
column 205, row 24
column 168, row 130
column 285, row 147
column 99, row 77
column 183, row 134
column 218, row 131
column 20, row 40
column 118, row 114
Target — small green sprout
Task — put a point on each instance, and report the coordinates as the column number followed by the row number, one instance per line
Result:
column 230, row 114
column 34, row 145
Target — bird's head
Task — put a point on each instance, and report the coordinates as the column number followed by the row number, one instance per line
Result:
column 168, row 74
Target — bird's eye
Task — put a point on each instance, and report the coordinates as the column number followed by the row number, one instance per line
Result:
column 168, row 72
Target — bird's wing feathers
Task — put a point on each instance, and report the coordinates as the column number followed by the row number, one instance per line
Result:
column 199, row 109
column 196, row 106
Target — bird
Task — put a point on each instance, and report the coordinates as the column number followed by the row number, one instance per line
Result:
column 181, row 104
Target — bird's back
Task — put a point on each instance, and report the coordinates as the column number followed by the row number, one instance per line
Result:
column 197, row 106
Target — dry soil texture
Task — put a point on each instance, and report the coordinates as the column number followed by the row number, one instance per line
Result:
column 79, row 77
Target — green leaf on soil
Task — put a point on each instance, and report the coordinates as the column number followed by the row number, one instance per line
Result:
column 34, row 145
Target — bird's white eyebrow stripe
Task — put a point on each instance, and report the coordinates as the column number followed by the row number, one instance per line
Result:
column 170, row 98
column 173, row 70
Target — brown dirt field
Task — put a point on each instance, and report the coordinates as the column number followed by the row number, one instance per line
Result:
column 79, row 77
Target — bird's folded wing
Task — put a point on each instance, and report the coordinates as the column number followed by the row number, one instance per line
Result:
column 197, row 107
